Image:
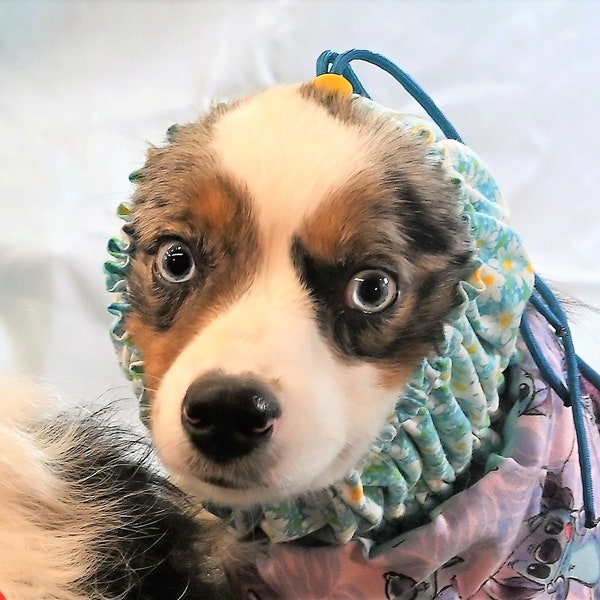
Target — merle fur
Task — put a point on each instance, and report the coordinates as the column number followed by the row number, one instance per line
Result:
column 157, row 549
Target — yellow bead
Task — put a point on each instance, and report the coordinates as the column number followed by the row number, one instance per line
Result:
column 331, row 82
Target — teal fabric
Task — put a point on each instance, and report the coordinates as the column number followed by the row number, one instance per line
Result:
column 116, row 270
column 444, row 415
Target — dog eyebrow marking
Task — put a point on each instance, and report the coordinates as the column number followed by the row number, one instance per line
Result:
column 380, row 220
column 215, row 218
column 426, row 234
column 211, row 215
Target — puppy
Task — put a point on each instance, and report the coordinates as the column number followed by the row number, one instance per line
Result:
column 84, row 512
column 292, row 259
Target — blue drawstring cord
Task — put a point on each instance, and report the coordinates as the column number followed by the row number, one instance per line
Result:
column 547, row 304
column 332, row 62
column 542, row 299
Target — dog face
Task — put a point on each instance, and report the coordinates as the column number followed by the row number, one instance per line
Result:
column 293, row 258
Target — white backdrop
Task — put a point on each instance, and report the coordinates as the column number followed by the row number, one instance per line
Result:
column 84, row 86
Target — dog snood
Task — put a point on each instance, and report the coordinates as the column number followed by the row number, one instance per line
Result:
column 443, row 419
column 474, row 487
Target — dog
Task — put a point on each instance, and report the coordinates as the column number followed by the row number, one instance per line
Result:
column 291, row 260
column 303, row 277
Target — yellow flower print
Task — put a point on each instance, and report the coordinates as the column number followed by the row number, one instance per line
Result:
column 425, row 133
column 506, row 320
column 508, row 264
column 459, row 387
column 493, row 284
column 472, row 349
column 489, row 279
column 356, row 494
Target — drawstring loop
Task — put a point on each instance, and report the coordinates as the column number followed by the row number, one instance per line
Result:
column 332, row 62
column 548, row 305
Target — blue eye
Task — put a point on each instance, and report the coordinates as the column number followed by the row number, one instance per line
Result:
column 371, row 291
column 174, row 262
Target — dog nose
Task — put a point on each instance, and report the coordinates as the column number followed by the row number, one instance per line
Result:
column 228, row 417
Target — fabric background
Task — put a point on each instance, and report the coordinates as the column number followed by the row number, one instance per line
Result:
column 85, row 86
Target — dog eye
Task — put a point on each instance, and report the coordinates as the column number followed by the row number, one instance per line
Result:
column 174, row 262
column 371, row 291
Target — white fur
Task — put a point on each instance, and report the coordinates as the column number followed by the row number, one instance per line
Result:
column 331, row 409
column 258, row 144
column 44, row 536
column 340, row 405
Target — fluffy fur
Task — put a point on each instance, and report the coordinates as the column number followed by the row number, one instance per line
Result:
column 84, row 513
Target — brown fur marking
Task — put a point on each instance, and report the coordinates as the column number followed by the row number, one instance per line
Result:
column 400, row 214
column 183, row 196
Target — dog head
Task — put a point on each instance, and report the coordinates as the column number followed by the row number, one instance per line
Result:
column 293, row 257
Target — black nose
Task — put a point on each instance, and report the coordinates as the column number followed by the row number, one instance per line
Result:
column 228, row 417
